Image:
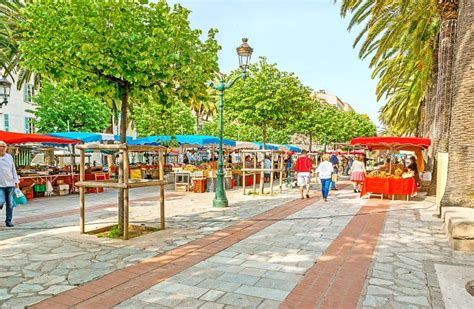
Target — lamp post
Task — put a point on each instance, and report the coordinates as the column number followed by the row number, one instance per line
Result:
column 244, row 52
column 5, row 87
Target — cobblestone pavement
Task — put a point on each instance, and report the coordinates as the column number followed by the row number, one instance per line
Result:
column 259, row 271
column 403, row 272
column 210, row 258
column 46, row 257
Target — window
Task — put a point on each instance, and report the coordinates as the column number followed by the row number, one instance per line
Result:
column 28, row 93
column 6, row 122
column 29, row 126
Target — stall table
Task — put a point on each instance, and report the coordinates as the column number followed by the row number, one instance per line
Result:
column 389, row 186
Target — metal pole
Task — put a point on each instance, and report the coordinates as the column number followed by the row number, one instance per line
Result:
column 220, row 199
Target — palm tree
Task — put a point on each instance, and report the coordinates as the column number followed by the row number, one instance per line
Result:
column 399, row 36
column 203, row 107
column 460, row 183
column 10, row 56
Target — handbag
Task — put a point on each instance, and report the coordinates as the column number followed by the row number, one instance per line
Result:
column 19, row 198
column 334, row 177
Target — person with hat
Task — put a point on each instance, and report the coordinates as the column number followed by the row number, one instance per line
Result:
column 9, row 181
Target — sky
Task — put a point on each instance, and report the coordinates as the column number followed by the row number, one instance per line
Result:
column 307, row 37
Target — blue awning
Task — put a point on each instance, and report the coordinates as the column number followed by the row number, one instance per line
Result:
column 192, row 140
column 267, row 146
column 292, row 148
column 87, row 137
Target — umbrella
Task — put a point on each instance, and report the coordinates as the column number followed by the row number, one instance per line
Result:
column 22, row 138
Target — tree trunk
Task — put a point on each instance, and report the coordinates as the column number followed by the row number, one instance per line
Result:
column 264, row 137
column 460, row 182
column 310, row 142
column 123, row 138
column 448, row 12
column 430, row 120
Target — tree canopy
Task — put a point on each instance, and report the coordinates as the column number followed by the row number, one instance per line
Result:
column 64, row 109
column 269, row 98
column 117, row 50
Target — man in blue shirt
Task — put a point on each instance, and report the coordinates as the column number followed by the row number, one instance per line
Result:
column 8, row 182
column 335, row 164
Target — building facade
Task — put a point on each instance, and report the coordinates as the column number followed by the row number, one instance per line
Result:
column 14, row 117
column 332, row 100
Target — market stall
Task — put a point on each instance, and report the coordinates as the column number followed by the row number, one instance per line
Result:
column 392, row 179
column 36, row 180
column 254, row 169
column 194, row 167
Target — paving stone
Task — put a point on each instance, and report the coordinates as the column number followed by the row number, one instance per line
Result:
column 276, row 284
column 79, row 276
column 253, row 271
column 269, row 304
column 241, row 301
column 47, row 280
column 219, row 285
column 376, row 281
column 239, row 278
column 157, row 298
column 178, row 288
column 265, row 293
column 422, row 301
column 376, row 290
column 26, row 288
column 262, row 265
column 56, row 289
column 282, row 276
column 4, row 294
column 212, row 305
column 190, row 303
column 212, row 295
column 188, row 280
column 375, row 301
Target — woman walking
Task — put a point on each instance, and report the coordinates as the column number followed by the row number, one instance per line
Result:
column 358, row 173
column 324, row 172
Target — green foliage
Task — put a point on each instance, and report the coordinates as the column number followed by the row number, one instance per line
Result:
column 326, row 124
column 400, row 37
column 61, row 109
column 153, row 118
column 109, row 47
column 268, row 98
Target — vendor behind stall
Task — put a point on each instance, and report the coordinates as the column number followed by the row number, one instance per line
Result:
column 414, row 168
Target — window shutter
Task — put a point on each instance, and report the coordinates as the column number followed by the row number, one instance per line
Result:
column 27, row 125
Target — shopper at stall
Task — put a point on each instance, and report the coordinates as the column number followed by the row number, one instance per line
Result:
column 324, row 172
column 358, row 173
column 335, row 164
column 414, row 168
column 303, row 168
column 9, row 181
column 267, row 164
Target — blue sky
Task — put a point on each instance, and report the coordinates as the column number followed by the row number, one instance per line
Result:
column 307, row 37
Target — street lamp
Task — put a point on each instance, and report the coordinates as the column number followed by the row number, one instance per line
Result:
column 5, row 87
column 244, row 51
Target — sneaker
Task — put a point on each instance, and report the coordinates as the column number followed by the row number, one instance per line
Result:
column 355, row 190
column 307, row 195
column 9, row 224
column 325, row 199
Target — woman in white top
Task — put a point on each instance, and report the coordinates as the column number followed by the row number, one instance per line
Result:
column 325, row 171
column 358, row 173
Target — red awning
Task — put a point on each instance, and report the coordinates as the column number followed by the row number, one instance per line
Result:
column 22, row 138
column 394, row 143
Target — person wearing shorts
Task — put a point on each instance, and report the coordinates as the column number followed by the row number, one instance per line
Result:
column 303, row 168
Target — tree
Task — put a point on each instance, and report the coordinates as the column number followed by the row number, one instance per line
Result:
column 268, row 98
column 154, row 118
column 118, row 50
column 63, row 109
column 324, row 123
column 400, row 37
column 460, row 182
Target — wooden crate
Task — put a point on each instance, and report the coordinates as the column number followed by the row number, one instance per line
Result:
column 199, row 185
column 181, row 187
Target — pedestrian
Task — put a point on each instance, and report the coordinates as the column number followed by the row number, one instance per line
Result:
column 267, row 165
column 288, row 165
column 325, row 171
column 303, row 168
column 414, row 168
column 335, row 164
column 358, row 173
column 9, row 181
